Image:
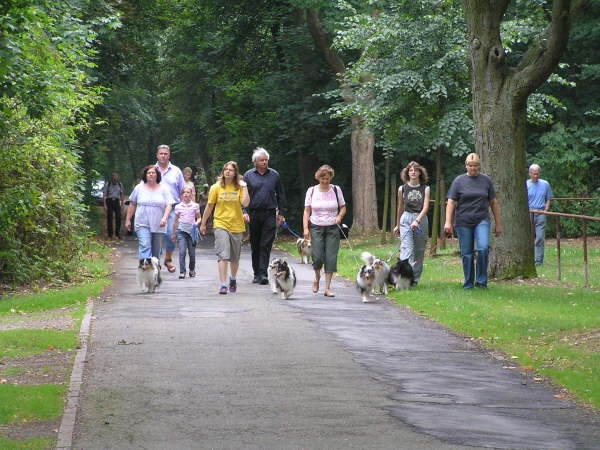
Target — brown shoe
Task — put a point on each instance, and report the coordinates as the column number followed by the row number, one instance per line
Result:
column 169, row 265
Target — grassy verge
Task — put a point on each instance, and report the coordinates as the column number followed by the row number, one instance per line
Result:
column 26, row 405
column 550, row 328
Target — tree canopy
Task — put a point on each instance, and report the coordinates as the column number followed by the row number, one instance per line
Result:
column 91, row 88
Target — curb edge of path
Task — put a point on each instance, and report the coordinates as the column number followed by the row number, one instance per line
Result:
column 67, row 424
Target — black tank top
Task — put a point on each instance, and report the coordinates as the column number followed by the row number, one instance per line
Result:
column 413, row 197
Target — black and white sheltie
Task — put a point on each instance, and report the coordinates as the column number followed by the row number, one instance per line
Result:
column 148, row 274
column 401, row 275
column 304, row 250
column 365, row 279
column 282, row 278
column 381, row 269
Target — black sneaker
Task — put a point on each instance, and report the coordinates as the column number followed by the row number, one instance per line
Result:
column 264, row 280
column 256, row 279
column 232, row 286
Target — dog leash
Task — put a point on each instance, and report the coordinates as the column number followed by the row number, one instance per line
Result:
column 349, row 244
column 285, row 226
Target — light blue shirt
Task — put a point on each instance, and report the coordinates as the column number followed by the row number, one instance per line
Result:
column 172, row 178
column 538, row 193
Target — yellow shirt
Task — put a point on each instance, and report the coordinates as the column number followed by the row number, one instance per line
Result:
column 228, row 207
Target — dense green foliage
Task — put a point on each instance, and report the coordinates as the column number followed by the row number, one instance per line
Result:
column 44, row 97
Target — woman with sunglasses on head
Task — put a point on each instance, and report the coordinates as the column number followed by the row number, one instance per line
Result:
column 472, row 195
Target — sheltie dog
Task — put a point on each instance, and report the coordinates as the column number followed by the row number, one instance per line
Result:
column 304, row 250
column 381, row 269
column 401, row 275
column 282, row 278
column 365, row 279
column 148, row 274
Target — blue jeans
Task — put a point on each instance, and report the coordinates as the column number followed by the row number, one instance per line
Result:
column 474, row 238
column 539, row 221
column 149, row 244
column 185, row 244
column 168, row 243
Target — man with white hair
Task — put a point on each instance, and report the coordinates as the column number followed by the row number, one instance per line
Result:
column 539, row 194
column 265, row 211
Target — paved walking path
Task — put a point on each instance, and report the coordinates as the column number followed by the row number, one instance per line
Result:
column 186, row 368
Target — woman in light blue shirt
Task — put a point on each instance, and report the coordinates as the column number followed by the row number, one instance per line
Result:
column 151, row 202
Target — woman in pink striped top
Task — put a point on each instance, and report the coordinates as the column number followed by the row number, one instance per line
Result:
column 324, row 209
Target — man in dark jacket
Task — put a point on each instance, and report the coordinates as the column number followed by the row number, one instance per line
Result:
column 266, row 211
column 113, row 193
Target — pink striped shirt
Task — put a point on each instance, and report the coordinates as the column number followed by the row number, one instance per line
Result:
column 323, row 205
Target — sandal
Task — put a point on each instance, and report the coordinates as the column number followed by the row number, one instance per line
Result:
column 329, row 294
column 315, row 287
column 169, row 265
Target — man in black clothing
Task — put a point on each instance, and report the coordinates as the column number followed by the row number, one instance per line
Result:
column 113, row 193
column 265, row 212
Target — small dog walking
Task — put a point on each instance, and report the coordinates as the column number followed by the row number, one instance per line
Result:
column 381, row 269
column 282, row 278
column 148, row 274
column 401, row 275
column 365, row 278
column 304, row 250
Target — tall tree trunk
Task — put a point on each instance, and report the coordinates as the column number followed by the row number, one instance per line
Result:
column 436, row 222
column 499, row 127
column 500, row 95
column 364, row 196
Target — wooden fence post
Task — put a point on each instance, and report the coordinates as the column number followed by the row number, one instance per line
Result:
column 558, row 245
column 585, row 254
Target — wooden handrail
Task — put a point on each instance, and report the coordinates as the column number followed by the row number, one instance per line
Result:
column 571, row 216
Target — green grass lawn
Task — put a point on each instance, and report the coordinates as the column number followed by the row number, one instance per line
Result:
column 550, row 327
column 22, row 404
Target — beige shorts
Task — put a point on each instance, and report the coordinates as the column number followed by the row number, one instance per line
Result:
column 228, row 245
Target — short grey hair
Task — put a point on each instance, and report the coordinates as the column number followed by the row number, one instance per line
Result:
column 535, row 166
column 161, row 146
column 258, row 152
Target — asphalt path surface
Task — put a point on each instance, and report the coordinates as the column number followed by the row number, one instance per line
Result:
column 187, row 368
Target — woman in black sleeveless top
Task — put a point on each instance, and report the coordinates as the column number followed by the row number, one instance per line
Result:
column 411, row 220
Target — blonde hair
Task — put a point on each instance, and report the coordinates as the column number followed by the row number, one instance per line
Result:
column 325, row 169
column 236, row 176
column 473, row 158
column 423, row 176
column 187, row 188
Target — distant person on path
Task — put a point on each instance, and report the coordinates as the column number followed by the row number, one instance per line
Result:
column 203, row 198
column 412, row 225
column 471, row 195
column 188, row 181
column 151, row 202
column 172, row 179
column 113, row 193
column 324, row 209
column 187, row 214
column 227, row 197
column 266, row 211
column 539, row 194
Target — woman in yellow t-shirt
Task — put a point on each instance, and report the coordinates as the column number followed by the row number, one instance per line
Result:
column 227, row 197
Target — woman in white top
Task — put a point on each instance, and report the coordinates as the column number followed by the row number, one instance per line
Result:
column 324, row 209
column 151, row 202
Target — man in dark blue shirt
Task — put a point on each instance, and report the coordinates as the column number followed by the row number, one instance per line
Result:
column 265, row 212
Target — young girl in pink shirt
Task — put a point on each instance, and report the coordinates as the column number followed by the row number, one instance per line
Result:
column 187, row 214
